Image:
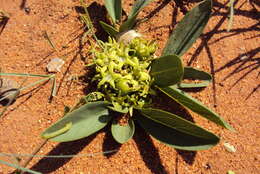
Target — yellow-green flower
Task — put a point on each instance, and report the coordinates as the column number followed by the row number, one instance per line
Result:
column 122, row 72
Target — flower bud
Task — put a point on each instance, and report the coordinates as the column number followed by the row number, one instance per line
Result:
column 144, row 76
column 123, row 86
column 100, row 62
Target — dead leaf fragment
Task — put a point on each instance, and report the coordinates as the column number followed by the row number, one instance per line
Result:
column 55, row 65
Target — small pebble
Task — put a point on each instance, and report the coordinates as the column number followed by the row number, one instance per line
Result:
column 221, row 84
column 229, row 147
column 207, row 166
column 243, row 58
column 55, row 65
column 27, row 10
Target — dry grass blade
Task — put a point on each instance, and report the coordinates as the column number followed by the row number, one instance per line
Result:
column 87, row 21
column 19, row 167
column 46, row 36
column 59, row 156
column 231, row 15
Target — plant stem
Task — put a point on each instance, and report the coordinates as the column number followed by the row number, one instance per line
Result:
column 24, row 75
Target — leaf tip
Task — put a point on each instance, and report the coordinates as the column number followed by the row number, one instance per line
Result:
column 229, row 127
column 58, row 132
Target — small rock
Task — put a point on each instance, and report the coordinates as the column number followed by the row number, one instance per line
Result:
column 55, row 65
column 207, row 166
column 8, row 89
column 229, row 147
column 27, row 10
column 243, row 58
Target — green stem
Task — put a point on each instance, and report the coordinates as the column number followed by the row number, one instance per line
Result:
column 24, row 74
column 18, row 167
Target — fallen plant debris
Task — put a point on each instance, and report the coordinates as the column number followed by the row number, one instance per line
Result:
column 229, row 147
column 18, row 167
column 9, row 89
column 55, row 65
column 4, row 17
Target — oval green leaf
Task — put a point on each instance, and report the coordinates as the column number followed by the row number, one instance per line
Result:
column 195, row 74
column 167, row 70
column 138, row 6
column 176, row 131
column 109, row 29
column 123, row 133
column 79, row 123
column 114, row 9
column 188, row 29
column 194, row 105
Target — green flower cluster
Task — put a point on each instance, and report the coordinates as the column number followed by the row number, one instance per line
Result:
column 122, row 72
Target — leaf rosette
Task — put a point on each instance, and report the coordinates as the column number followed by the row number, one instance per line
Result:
column 128, row 73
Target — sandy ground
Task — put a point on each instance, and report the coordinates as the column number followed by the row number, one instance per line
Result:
column 232, row 57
